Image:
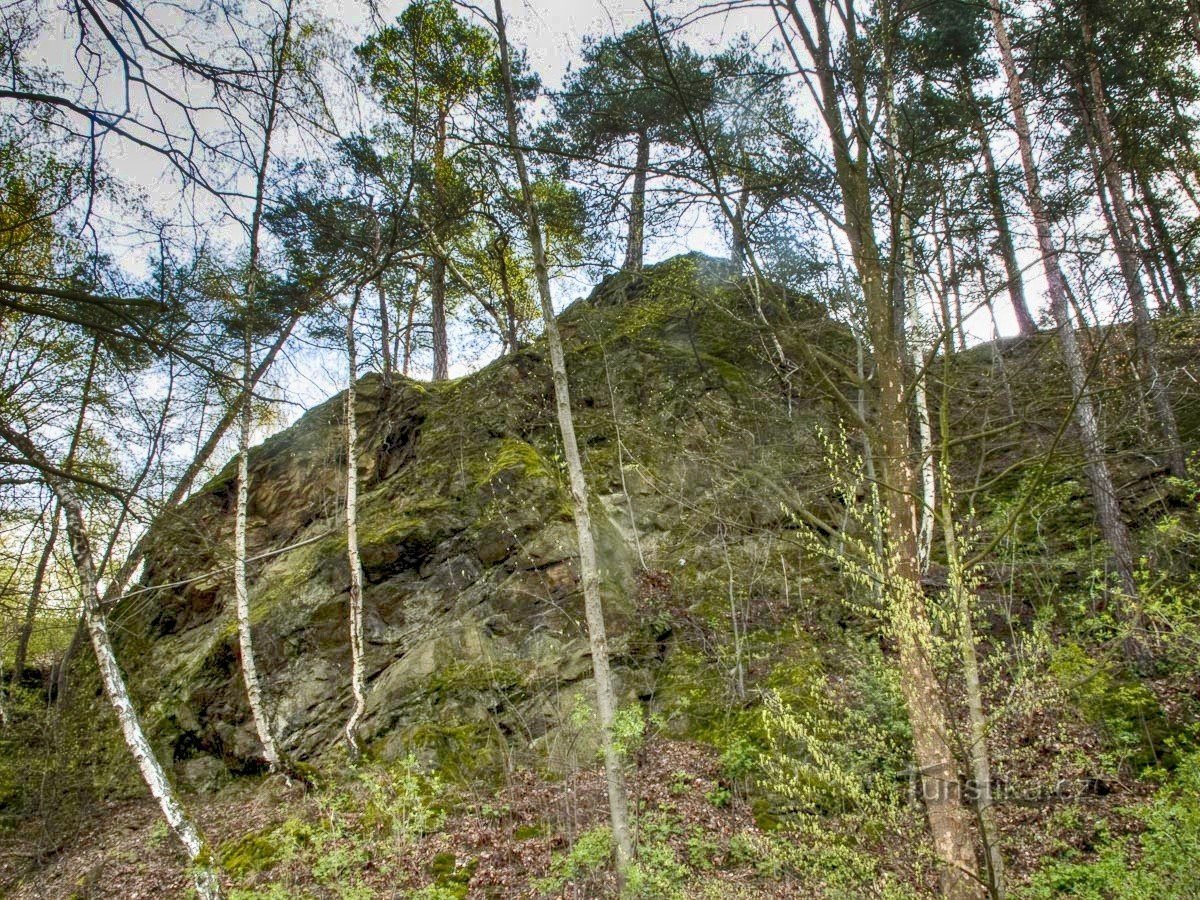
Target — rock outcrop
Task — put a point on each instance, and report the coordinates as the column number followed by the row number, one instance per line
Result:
column 474, row 625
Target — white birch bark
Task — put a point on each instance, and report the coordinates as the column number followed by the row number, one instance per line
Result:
column 606, row 702
column 357, row 671
column 152, row 772
column 242, row 594
column 918, row 348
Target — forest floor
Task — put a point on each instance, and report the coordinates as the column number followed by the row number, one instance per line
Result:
column 509, row 844
column 276, row 839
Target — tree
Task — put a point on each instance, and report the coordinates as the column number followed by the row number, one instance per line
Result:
column 1104, row 494
column 60, row 482
column 1125, row 241
column 429, row 68
column 606, row 703
column 494, row 269
column 279, row 59
column 768, row 173
column 852, row 154
column 946, row 45
column 622, row 95
column 358, row 675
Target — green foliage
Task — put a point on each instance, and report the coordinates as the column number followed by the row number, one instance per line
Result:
column 55, row 763
column 834, row 771
column 702, row 850
column 1124, row 709
column 656, row 873
column 623, row 88
column 591, row 853
column 629, row 730
column 838, row 755
column 438, row 891
column 377, row 815
column 834, row 866
column 401, row 801
column 749, row 848
column 337, row 863
column 451, row 880
column 1159, row 863
column 430, row 61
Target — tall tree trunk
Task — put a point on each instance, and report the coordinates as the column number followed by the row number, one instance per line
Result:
column 949, row 822
column 385, row 315
column 1104, row 494
column 737, row 244
column 241, row 592
column 205, row 878
column 357, row 670
column 437, row 318
column 385, row 331
column 437, row 268
column 977, row 751
column 240, row 587
column 904, row 288
column 924, row 447
column 1110, row 222
column 1152, row 261
column 961, row 592
column 21, row 654
column 606, row 702
column 1127, row 255
column 510, row 303
column 635, row 246
column 406, row 360
column 1008, row 252
column 955, row 279
column 1163, row 243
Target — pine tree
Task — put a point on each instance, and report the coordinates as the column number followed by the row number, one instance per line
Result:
column 621, row 103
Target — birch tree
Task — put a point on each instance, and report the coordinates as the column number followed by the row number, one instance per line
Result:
column 589, row 571
column 280, row 50
column 1100, row 482
column 152, row 772
column 357, row 672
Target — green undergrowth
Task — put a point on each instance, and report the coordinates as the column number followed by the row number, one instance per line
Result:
column 368, row 812
column 1160, row 862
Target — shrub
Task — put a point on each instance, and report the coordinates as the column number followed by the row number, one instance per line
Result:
column 1161, row 863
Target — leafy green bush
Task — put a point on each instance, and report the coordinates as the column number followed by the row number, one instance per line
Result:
column 1125, row 711
column 1160, row 863
column 657, row 874
column 589, row 855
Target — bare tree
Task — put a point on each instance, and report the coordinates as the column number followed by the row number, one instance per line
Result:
column 589, row 571
column 1126, row 243
column 280, row 49
column 357, row 676
column 151, row 769
column 1104, row 494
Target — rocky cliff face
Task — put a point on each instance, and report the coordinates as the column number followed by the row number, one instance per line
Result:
column 476, row 649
